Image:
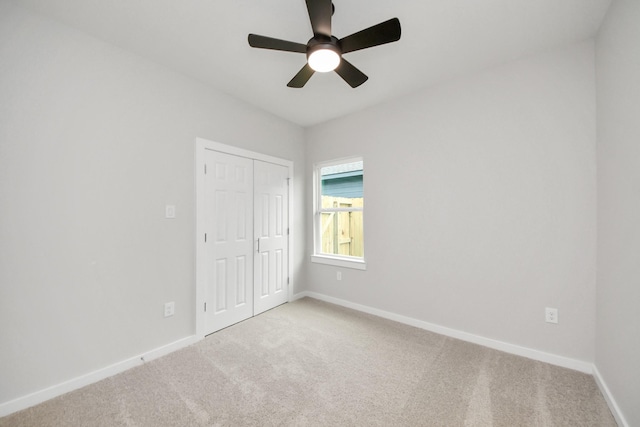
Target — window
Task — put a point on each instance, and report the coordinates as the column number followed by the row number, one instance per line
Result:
column 338, row 213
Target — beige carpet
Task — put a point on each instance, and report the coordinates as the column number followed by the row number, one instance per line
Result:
column 312, row 363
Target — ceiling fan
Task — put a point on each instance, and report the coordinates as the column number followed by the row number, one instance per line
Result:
column 324, row 51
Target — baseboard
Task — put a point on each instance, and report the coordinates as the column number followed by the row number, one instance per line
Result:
column 299, row 295
column 37, row 397
column 613, row 405
column 565, row 362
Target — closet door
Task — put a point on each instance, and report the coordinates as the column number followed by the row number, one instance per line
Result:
column 271, row 211
column 229, row 241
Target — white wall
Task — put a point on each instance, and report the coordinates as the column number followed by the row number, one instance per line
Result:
column 94, row 142
column 481, row 196
column 480, row 199
column 618, row 296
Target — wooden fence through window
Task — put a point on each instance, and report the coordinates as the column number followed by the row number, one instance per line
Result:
column 342, row 231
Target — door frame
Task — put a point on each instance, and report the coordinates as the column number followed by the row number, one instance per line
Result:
column 201, row 146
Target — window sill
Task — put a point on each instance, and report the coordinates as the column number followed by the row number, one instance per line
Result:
column 357, row 264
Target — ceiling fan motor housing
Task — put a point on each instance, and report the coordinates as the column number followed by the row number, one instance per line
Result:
column 322, row 42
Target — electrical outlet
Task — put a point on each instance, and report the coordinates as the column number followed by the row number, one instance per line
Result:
column 551, row 315
column 339, row 275
column 169, row 309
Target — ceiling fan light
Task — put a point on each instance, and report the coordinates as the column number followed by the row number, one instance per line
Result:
column 324, row 60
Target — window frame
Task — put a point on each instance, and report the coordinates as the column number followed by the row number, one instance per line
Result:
column 318, row 256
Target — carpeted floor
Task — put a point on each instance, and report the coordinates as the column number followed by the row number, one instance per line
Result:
column 313, row 363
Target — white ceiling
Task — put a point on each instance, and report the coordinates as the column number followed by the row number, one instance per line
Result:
column 207, row 39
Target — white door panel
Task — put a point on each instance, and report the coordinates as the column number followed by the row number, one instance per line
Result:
column 271, row 192
column 229, row 248
column 243, row 212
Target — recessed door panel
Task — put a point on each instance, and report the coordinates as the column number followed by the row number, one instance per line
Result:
column 221, row 206
column 279, row 263
column 241, row 281
column 279, row 223
column 264, row 276
column 221, row 286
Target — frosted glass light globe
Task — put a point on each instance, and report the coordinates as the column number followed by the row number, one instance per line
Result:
column 324, row 60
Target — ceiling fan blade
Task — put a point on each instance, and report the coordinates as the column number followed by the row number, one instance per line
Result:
column 351, row 74
column 263, row 42
column 320, row 12
column 303, row 76
column 385, row 32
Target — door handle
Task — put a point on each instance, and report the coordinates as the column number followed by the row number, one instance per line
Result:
column 258, row 245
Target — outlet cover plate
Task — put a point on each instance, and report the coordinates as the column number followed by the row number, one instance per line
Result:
column 551, row 315
column 169, row 309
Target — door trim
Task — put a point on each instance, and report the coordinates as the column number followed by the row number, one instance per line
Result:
column 201, row 146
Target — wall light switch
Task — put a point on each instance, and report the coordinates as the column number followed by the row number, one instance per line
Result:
column 170, row 211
